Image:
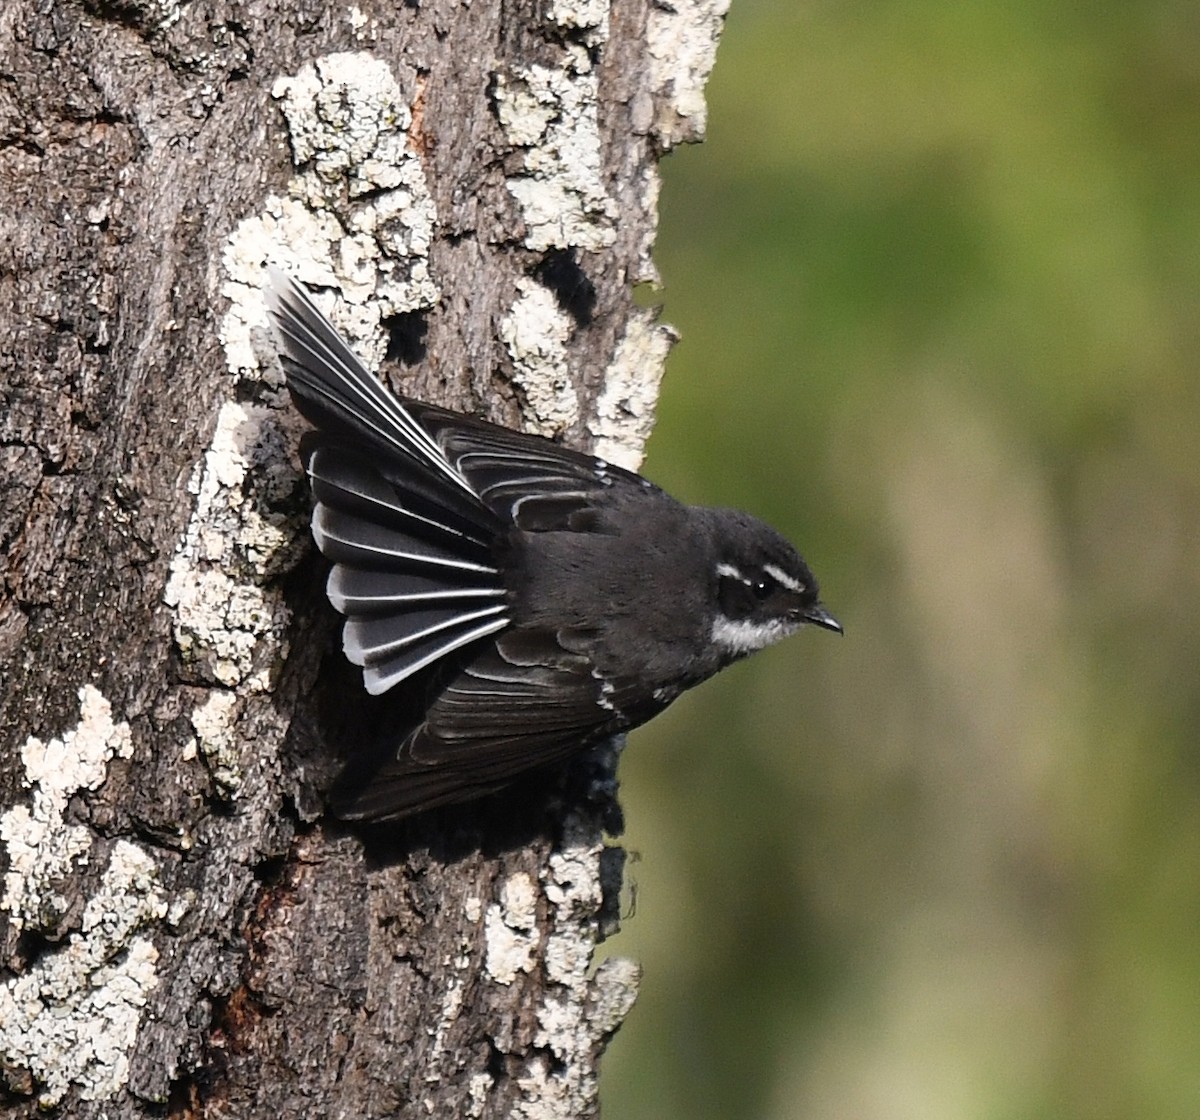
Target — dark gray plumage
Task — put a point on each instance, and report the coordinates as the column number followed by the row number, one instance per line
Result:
column 557, row 599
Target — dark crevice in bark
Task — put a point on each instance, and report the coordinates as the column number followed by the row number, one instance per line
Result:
column 561, row 272
column 406, row 337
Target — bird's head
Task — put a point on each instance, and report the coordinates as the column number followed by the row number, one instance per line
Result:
column 762, row 590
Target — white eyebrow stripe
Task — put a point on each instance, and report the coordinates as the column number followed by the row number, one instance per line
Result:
column 732, row 573
column 784, row 580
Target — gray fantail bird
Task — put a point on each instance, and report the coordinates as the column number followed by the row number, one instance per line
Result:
column 555, row 599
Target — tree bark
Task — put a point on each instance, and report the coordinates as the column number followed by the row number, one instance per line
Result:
column 471, row 186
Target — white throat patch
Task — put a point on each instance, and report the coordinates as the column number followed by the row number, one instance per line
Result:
column 742, row 636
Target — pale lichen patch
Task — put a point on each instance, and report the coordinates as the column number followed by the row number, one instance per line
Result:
column 215, row 723
column 624, row 413
column 683, row 38
column 535, row 332
column 510, row 932
column 571, row 878
column 479, row 1088
column 589, row 18
column 348, row 120
column 567, row 958
column 362, row 26
column 452, row 1003
column 579, row 1011
column 613, row 992
column 228, row 626
column 649, row 186
column 358, row 216
column 551, row 114
column 71, row 1019
column 41, row 846
column 518, row 901
column 547, row 1097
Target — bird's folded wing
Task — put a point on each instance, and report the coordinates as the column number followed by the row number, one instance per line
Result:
column 523, row 703
column 525, row 479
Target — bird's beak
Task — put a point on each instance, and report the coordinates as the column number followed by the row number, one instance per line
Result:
column 819, row 616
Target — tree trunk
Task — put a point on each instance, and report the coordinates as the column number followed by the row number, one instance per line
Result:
column 475, row 182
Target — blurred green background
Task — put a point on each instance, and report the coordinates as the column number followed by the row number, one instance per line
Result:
column 937, row 271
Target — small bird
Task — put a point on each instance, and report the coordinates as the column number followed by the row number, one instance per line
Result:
column 555, row 598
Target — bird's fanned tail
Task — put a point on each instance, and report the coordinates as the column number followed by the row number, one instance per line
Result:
column 410, row 543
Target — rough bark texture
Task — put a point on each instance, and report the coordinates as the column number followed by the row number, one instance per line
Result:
column 473, row 186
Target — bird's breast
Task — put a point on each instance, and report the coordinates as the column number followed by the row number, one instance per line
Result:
column 640, row 595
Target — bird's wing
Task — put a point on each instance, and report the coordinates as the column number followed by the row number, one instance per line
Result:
column 525, row 480
column 523, row 702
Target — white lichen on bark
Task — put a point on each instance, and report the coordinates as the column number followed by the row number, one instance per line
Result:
column 229, row 625
column 510, row 930
column 550, row 923
column 41, row 846
column 550, row 114
column 580, row 1009
column 587, row 18
column 215, row 724
column 624, row 413
column 71, row 1019
column 358, row 216
column 682, row 39
column 535, row 333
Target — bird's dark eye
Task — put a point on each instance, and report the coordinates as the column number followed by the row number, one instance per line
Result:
column 743, row 596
